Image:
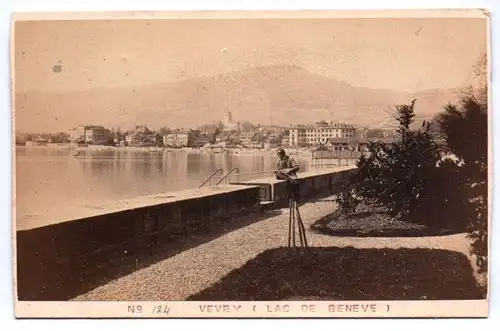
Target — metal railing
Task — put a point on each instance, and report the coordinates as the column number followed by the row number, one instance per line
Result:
column 210, row 178
column 235, row 170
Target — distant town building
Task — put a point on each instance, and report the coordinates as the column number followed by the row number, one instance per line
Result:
column 200, row 140
column 177, row 138
column 353, row 144
column 185, row 138
column 319, row 133
column 90, row 134
column 141, row 136
column 362, row 133
column 246, row 138
column 347, row 144
column 118, row 136
column 224, row 140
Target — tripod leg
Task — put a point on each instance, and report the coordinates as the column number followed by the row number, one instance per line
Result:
column 301, row 225
column 293, row 224
column 290, row 225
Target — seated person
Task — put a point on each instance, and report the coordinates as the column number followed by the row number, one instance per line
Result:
column 287, row 170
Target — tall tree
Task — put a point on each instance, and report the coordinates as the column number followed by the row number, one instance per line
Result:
column 246, row 126
column 164, row 130
column 220, row 126
column 399, row 176
column 208, row 128
column 465, row 127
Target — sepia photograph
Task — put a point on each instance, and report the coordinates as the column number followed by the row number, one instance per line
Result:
column 251, row 164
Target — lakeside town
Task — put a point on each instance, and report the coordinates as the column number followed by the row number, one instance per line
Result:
column 178, row 161
column 222, row 136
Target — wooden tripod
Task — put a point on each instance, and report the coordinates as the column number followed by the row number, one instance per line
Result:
column 295, row 216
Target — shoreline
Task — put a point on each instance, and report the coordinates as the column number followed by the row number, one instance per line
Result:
column 217, row 150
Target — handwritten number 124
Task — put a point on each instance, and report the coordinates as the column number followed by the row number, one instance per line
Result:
column 161, row 309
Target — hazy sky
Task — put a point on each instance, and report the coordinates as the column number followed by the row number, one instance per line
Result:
column 407, row 55
column 400, row 54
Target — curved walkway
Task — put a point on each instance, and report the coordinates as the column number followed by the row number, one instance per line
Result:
column 197, row 268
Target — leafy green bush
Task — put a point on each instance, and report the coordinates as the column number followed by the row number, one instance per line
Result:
column 396, row 176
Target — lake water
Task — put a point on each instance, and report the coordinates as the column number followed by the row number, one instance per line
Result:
column 50, row 179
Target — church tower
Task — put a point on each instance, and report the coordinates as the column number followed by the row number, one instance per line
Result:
column 228, row 118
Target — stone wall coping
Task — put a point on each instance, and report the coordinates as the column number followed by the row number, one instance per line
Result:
column 301, row 175
column 86, row 211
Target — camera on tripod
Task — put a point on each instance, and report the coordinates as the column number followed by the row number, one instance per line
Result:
column 292, row 183
column 294, row 215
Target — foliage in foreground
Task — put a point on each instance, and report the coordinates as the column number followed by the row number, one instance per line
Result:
column 405, row 177
column 466, row 132
column 414, row 180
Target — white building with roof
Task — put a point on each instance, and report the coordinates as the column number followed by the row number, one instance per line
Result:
column 319, row 133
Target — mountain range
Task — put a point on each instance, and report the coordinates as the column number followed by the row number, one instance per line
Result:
column 279, row 95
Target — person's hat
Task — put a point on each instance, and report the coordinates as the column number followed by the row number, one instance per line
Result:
column 280, row 150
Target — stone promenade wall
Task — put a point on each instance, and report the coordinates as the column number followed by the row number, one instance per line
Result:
column 91, row 236
column 54, row 260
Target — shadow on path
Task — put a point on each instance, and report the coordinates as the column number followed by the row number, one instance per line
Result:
column 64, row 281
column 348, row 274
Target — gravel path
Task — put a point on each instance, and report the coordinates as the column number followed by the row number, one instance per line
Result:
column 193, row 270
